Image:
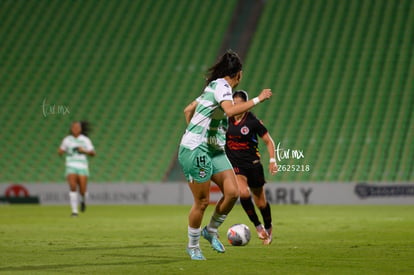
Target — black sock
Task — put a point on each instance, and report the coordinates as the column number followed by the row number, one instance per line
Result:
column 267, row 216
column 249, row 208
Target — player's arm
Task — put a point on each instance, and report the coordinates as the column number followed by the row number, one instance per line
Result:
column 231, row 110
column 270, row 145
column 88, row 149
column 189, row 111
column 62, row 147
column 82, row 150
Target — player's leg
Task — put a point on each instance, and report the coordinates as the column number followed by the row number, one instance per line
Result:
column 196, row 166
column 73, row 194
column 246, row 200
column 201, row 196
column 256, row 181
column 259, row 198
column 83, row 182
column 226, row 180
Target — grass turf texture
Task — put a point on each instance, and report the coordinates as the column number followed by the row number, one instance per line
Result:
column 152, row 240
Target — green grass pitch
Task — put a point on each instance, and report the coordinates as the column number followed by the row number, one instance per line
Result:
column 152, row 240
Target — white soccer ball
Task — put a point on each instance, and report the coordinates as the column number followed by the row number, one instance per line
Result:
column 238, row 234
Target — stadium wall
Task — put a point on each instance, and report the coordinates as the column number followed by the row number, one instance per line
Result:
column 179, row 194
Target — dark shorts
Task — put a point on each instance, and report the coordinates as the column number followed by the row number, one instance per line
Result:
column 254, row 174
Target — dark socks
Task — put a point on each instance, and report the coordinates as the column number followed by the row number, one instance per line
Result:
column 267, row 216
column 249, row 208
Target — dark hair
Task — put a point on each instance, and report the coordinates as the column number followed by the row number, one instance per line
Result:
column 242, row 94
column 229, row 64
column 86, row 127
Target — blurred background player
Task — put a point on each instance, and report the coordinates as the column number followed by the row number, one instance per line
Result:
column 77, row 147
column 201, row 154
column 243, row 153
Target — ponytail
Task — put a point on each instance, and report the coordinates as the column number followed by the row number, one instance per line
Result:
column 229, row 64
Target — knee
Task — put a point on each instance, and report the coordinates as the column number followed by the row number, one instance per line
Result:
column 244, row 193
column 233, row 195
column 202, row 203
column 72, row 187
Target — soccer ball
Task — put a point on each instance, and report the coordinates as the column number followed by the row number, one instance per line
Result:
column 238, row 234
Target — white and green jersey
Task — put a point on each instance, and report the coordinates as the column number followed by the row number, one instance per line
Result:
column 75, row 159
column 208, row 125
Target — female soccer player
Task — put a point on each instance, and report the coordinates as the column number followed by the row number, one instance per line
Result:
column 201, row 154
column 77, row 147
column 242, row 151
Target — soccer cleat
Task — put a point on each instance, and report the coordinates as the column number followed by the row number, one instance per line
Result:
column 195, row 253
column 261, row 232
column 74, row 215
column 83, row 206
column 213, row 239
column 268, row 240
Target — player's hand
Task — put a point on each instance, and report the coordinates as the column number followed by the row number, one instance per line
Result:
column 81, row 150
column 273, row 168
column 265, row 94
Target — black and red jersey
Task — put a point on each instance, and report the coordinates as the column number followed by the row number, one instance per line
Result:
column 242, row 140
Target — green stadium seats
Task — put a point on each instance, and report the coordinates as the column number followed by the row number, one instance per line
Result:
column 341, row 72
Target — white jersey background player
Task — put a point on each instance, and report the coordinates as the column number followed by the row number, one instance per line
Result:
column 77, row 147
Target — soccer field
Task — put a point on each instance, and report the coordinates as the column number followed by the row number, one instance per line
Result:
column 152, row 240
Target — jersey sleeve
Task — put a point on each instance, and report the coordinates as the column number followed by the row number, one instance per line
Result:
column 261, row 130
column 64, row 144
column 223, row 92
column 199, row 98
column 89, row 145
